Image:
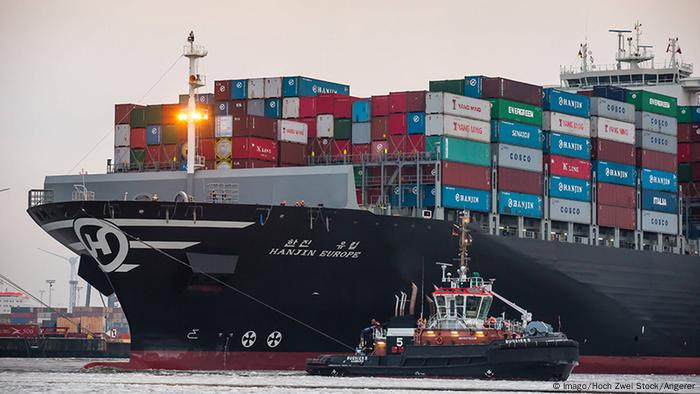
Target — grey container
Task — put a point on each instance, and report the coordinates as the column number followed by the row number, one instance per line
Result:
column 256, row 107
column 518, row 157
column 362, row 133
column 657, row 142
column 657, row 123
column 612, row 109
column 659, row 222
column 569, row 210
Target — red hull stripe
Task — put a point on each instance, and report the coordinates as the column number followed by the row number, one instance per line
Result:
column 296, row 361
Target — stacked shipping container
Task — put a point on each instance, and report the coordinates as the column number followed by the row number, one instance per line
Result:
column 689, row 150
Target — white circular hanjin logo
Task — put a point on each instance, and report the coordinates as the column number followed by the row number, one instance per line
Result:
column 472, row 82
column 105, row 243
column 290, row 82
column 222, row 88
column 416, row 118
column 239, row 84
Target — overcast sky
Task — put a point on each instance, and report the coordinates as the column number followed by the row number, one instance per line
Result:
column 66, row 63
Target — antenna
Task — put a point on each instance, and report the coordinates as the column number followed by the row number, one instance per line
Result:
column 72, row 282
column 620, row 44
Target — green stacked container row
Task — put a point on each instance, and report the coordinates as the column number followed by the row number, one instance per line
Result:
column 684, row 172
column 517, row 112
column 138, row 118
column 342, row 129
column 138, row 158
column 170, row 134
column 454, row 86
column 154, row 114
column 653, row 102
column 459, row 150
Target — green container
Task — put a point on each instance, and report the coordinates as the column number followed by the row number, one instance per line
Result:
column 138, row 157
column 502, row 109
column 683, row 172
column 653, row 102
column 138, row 117
column 455, row 86
column 170, row 134
column 154, row 114
column 342, row 129
column 459, row 150
column 684, row 114
column 358, row 176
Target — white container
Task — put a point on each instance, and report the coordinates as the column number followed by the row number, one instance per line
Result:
column 659, row 222
column 290, row 131
column 223, row 126
column 656, row 123
column 122, row 135
column 256, row 88
column 657, row 142
column 273, row 87
column 256, row 107
column 518, row 157
column 362, row 133
column 453, row 104
column 122, row 158
column 612, row 130
column 455, row 126
column 324, row 126
column 612, row 109
column 223, row 148
column 567, row 124
column 569, row 210
column 290, row 107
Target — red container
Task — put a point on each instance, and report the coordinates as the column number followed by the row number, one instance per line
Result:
column 222, row 90
column 307, row 107
column 616, row 195
column 19, row 330
column 415, row 143
column 252, row 163
column 292, row 154
column 415, row 101
column 238, row 108
column 380, row 105
column 153, row 154
column 466, row 175
column 342, row 107
column 398, row 102
column 519, row 181
column 122, row 112
column 396, row 144
column 311, row 125
column 340, row 148
column 255, row 126
column 360, row 151
column 205, row 147
column 695, row 172
column 380, row 128
column 511, row 90
column 325, row 103
column 379, row 149
column 253, row 148
column 397, row 124
column 138, row 138
column 205, row 128
column 169, row 153
column 320, row 147
column 657, row 160
column 609, row 216
column 568, row 166
column 694, row 151
column 614, row 151
column 684, row 153
column 689, row 132
column 587, row 93
column 170, row 113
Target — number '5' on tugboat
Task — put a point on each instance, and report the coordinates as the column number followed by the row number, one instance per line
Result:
column 459, row 339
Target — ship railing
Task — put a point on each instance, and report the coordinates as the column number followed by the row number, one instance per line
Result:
column 648, row 67
column 39, row 197
column 627, row 245
column 324, row 159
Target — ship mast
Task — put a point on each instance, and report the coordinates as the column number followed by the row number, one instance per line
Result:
column 195, row 80
column 465, row 241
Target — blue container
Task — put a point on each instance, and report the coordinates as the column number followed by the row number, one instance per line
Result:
column 569, row 188
column 567, row 145
column 620, row 174
column 516, row 134
column 653, row 200
column 361, row 111
column 409, row 196
column 415, row 122
column 610, row 92
column 153, row 134
column 659, row 180
column 303, row 86
column 471, row 199
column 222, row 108
column 472, row 86
column 520, row 204
column 239, row 89
column 273, row 108
column 183, row 165
column 428, row 195
column 566, row 103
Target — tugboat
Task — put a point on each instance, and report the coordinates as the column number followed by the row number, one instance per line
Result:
column 459, row 339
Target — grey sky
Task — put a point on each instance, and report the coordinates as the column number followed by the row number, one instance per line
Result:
column 66, row 63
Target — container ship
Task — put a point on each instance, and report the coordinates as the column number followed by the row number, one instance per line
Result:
column 262, row 224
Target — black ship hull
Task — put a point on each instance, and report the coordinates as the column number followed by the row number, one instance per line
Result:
column 207, row 286
column 536, row 359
